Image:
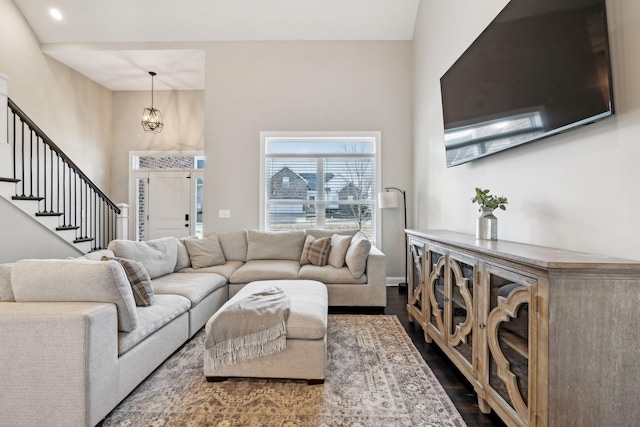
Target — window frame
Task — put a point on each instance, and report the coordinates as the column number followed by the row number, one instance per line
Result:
column 376, row 239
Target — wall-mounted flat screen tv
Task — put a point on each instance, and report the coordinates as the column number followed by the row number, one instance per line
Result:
column 541, row 67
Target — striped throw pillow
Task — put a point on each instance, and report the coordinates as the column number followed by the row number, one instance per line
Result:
column 316, row 251
column 138, row 279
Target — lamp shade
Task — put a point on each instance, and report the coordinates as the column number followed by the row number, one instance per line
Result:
column 387, row 199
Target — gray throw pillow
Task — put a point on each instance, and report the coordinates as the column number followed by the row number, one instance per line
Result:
column 158, row 256
column 339, row 246
column 234, row 244
column 357, row 254
column 319, row 233
column 205, row 252
column 286, row 245
column 182, row 259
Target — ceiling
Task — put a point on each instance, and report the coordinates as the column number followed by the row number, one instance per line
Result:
column 117, row 42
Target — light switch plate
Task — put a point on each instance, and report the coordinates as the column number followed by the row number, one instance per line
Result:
column 224, row 213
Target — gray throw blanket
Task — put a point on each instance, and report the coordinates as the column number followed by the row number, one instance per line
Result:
column 251, row 327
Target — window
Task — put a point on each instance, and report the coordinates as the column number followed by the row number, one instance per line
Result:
column 323, row 180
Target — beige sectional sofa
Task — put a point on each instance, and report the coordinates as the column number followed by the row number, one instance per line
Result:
column 251, row 255
column 73, row 342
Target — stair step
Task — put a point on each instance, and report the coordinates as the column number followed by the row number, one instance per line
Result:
column 85, row 247
column 49, row 213
column 51, row 222
column 36, row 198
column 67, row 227
column 83, row 239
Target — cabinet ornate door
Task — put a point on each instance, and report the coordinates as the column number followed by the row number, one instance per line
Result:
column 460, row 310
column 416, row 308
column 508, row 374
column 436, row 285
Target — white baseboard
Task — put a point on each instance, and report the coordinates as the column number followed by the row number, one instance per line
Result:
column 394, row 281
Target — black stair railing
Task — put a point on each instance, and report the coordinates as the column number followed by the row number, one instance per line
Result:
column 46, row 174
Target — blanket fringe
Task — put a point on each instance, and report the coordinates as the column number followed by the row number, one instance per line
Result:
column 258, row 344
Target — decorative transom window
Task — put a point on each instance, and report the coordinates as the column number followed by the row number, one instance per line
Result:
column 327, row 180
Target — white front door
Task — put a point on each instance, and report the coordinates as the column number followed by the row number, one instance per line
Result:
column 169, row 204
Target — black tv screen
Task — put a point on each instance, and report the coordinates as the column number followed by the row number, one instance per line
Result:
column 541, row 67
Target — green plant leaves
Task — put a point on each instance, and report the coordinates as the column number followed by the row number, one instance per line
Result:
column 487, row 200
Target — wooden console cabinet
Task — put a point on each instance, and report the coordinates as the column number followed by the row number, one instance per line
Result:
column 546, row 337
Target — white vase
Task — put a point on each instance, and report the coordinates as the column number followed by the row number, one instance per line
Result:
column 487, row 225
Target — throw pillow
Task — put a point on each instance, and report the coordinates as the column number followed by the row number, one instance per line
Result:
column 316, row 251
column 285, row 245
column 138, row 279
column 159, row 256
column 97, row 255
column 205, row 252
column 234, row 244
column 357, row 254
column 339, row 246
column 319, row 233
column 183, row 260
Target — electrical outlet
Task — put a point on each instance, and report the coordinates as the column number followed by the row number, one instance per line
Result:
column 224, row 213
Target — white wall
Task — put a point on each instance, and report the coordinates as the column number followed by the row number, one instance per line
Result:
column 72, row 110
column 22, row 237
column 303, row 86
column 183, row 130
column 575, row 191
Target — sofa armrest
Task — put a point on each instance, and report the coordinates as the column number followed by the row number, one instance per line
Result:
column 377, row 276
column 59, row 363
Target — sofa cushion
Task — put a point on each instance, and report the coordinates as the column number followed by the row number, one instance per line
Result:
column 225, row 270
column 282, row 245
column 158, row 256
column 205, row 252
column 138, row 279
column 319, row 233
column 315, row 251
column 356, row 258
column 330, row 275
column 338, row 252
column 266, row 270
column 6, row 290
column 234, row 244
column 163, row 309
column 182, row 255
column 97, row 255
column 195, row 287
column 76, row 280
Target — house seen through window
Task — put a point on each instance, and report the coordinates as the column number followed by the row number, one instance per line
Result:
column 320, row 182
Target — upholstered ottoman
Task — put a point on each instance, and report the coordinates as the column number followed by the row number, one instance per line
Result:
column 306, row 338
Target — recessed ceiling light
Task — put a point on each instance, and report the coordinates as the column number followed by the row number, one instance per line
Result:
column 56, row 14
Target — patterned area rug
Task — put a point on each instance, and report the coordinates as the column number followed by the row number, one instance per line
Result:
column 375, row 377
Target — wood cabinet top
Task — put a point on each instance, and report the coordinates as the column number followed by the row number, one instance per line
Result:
column 539, row 256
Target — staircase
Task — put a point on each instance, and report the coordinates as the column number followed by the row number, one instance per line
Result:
column 45, row 184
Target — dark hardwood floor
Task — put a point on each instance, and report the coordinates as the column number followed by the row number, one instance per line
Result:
column 455, row 384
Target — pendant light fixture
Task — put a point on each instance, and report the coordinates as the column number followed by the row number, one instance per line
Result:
column 151, row 117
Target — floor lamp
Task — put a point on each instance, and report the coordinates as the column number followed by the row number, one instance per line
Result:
column 388, row 199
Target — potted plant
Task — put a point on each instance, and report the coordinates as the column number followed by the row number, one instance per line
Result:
column 487, row 223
